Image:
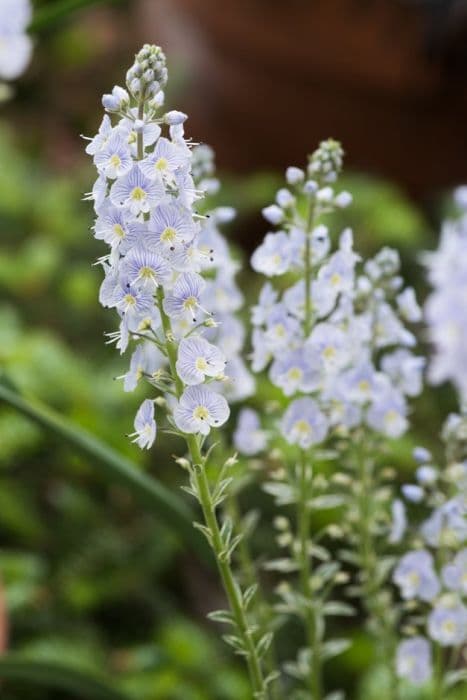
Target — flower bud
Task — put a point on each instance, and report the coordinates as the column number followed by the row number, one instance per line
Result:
column 173, row 118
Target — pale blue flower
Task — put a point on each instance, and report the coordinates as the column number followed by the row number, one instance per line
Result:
column 145, row 425
column 113, row 227
column 185, row 298
column 145, row 360
column 222, row 295
column 426, row 474
column 416, row 577
column 408, row 305
column 447, row 524
column 296, row 370
column 413, row 660
column 447, row 623
column 455, row 574
column 131, row 301
column 421, row 454
column 198, row 359
column 135, row 192
column 388, row 329
column 114, row 159
column 405, row 370
column 165, row 160
column 413, row 493
column 387, row 412
column 273, row 256
column 294, row 176
column 200, row 409
column 101, row 138
column 145, row 269
column 330, row 344
column 399, row 521
column 282, row 329
column 15, row 44
column 273, row 214
column 266, row 301
column 239, row 383
column 249, row 438
column 170, row 227
column 304, row 424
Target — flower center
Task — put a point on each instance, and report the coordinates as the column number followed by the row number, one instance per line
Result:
column 147, row 273
column 201, row 413
column 391, row 416
column 335, row 279
column 201, row 364
column 329, row 353
column 161, row 164
column 449, row 626
column 303, row 427
column 190, row 303
column 364, row 386
column 138, row 194
column 295, row 374
column 115, row 160
column 129, row 300
column 168, row 235
column 118, row 230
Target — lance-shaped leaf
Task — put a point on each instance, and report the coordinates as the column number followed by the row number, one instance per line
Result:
column 58, row 676
column 155, row 496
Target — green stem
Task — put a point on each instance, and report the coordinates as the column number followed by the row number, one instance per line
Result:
column 261, row 607
column 368, row 556
column 232, row 590
column 231, row 587
column 312, row 626
column 438, row 674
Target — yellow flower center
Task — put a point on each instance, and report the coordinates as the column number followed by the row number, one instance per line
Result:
column 303, row 427
column 280, row 330
column 130, row 300
column 329, row 353
column 335, row 279
column 364, row 386
column 190, row 303
column 201, row 364
column 146, row 273
column 161, row 164
column 118, row 230
column 115, row 160
column 449, row 626
column 295, row 374
column 391, row 416
column 168, row 235
column 138, row 194
column 201, row 413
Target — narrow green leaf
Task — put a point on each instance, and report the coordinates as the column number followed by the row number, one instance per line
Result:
column 118, row 469
column 57, row 676
column 53, row 12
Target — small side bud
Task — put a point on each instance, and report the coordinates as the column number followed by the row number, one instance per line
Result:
column 174, row 118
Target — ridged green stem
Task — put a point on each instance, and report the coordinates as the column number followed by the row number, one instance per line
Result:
column 231, row 588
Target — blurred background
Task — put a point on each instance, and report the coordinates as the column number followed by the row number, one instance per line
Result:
column 91, row 578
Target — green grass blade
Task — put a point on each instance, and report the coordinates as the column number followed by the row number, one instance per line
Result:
column 56, row 676
column 118, row 469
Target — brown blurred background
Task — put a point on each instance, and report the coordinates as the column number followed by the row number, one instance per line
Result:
column 264, row 80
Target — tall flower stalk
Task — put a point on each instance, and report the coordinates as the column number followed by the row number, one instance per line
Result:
column 288, row 335
column 163, row 276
